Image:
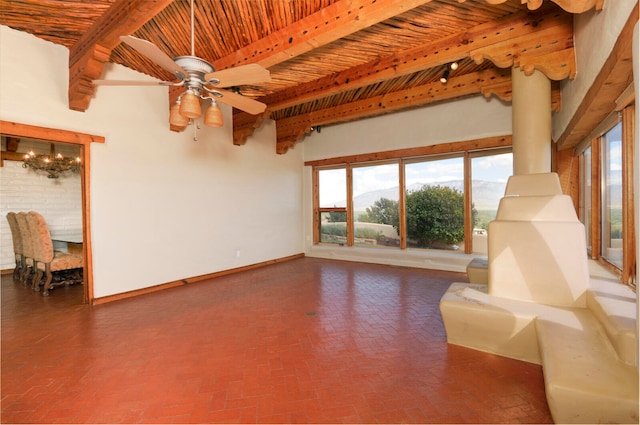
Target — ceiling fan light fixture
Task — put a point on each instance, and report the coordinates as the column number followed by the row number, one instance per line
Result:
column 190, row 105
column 176, row 118
column 213, row 115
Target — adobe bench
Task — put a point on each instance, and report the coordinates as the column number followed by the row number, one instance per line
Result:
column 539, row 304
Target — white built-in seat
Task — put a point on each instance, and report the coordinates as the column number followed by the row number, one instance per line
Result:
column 478, row 270
column 615, row 307
column 541, row 306
column 585, row 382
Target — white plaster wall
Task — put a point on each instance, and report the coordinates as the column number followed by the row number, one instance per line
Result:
column 472, row 118
column 468, row 119
column 163, row 207
column 595, row 35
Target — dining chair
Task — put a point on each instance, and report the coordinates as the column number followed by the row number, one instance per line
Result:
column 46, row 260
column 16, row 238
column 27, row 246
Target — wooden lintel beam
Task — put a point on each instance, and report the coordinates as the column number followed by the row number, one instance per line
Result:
column 88, row 56
column 491, row 142
column 295, row 128
column 325, row 26
column 449, row 49
column 8, row 128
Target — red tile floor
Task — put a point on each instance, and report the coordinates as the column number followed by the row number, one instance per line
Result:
column 305, row 341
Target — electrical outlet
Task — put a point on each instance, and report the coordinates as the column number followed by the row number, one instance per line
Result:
column 237, row 253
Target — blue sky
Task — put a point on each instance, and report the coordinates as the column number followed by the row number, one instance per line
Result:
column 384, row 176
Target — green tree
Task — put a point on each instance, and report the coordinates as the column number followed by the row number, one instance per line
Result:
column 337, row 217
column 383, row 211
column 436, row 214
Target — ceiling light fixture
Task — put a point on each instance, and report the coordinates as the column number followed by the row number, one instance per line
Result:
column 187, row 107
column 200, row 81
column 53, row 164
column 213, row 116
column 449, row 67
column 445, row 76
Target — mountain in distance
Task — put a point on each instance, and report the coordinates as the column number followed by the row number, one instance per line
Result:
column 486, row 194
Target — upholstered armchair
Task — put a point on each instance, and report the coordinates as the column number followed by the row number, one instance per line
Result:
column 27, row 246
column 46, row 260
column 17, row 244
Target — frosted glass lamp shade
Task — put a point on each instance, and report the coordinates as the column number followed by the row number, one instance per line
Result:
column 176, row 118
column 213, row 116
column 190, row 106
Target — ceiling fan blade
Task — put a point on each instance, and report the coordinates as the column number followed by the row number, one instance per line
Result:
column 152, row 51
column 238, row 101
column 245, row 74
column 130, row 83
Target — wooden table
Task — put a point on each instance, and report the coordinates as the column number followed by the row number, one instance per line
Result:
column 70, row 241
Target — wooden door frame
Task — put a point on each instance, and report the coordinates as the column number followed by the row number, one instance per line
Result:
column 13, row 129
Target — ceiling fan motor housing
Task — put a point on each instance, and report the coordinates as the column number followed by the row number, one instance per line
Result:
column 197, row 68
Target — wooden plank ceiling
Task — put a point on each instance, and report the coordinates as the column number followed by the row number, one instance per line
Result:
column 330, row 61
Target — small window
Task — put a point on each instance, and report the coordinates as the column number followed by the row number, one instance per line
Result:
column 332, row 211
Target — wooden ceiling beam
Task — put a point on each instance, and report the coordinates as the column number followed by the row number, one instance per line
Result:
column 549, row 50
column 244, row 125
column 523, row 27
column 89, row 54
column 291, row 130
column 325, row 26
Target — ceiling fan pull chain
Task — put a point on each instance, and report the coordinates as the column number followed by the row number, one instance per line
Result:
column 194, row 122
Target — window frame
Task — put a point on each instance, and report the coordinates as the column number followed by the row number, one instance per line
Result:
column 626, row 116
column 465, row 149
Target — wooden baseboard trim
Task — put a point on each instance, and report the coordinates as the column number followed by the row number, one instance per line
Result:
column 143, row 291
column 137, row 292
column 242, row 269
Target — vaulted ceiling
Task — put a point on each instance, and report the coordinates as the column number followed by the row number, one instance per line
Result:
column 330, row 61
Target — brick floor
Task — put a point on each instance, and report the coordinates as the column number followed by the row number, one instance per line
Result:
column 305, row 341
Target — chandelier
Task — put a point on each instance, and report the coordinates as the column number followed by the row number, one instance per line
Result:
column 52, row 164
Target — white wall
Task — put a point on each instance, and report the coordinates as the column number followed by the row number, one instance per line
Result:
column 163, row 207
column 596, row 33
column 468, row 119
column 472, row 118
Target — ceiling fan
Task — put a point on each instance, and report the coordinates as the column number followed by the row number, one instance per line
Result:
column 201, row 81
